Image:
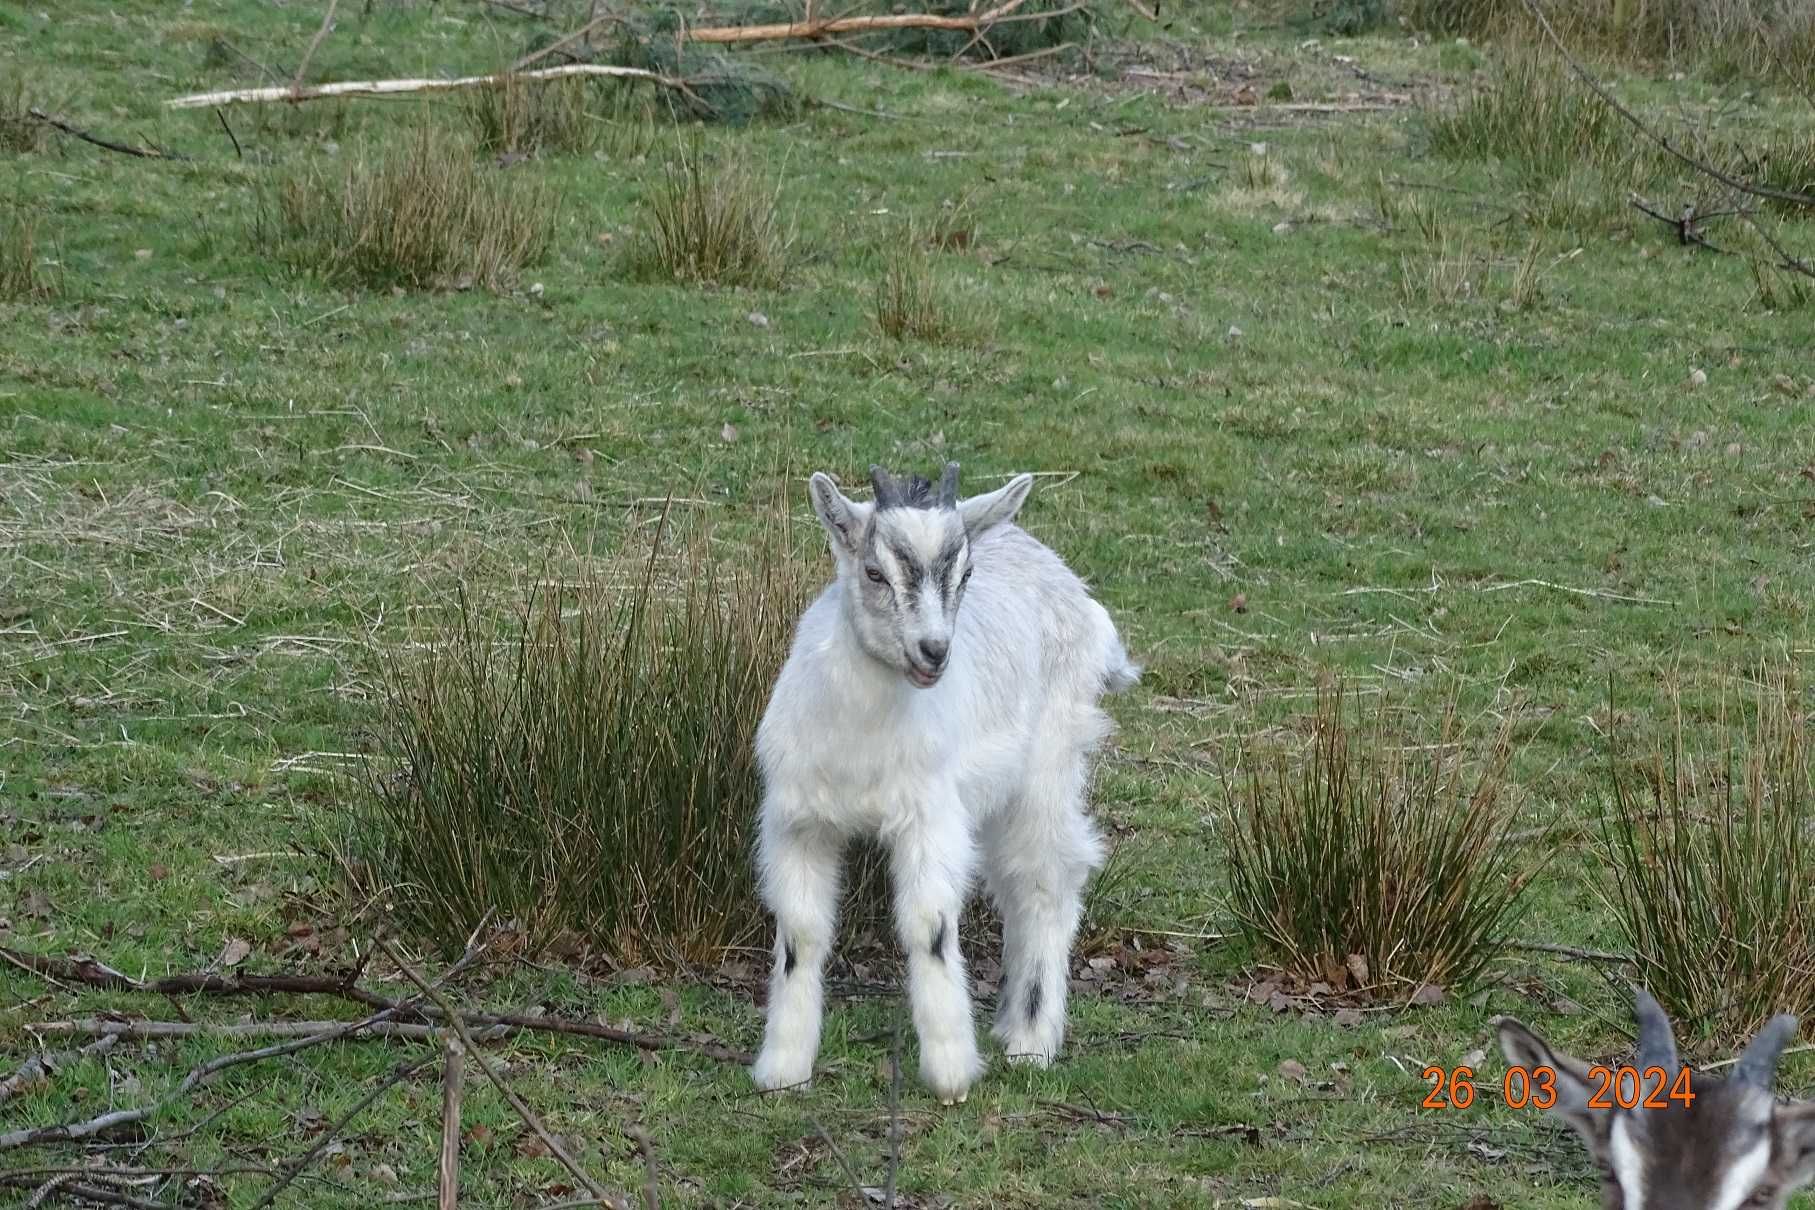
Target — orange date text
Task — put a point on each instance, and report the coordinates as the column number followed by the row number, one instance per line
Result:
column 1536, row 1087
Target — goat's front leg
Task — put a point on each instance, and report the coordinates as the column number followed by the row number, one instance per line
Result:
column 931, row 861
column 798, row 869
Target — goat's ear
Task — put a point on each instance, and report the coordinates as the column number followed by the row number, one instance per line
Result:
column 1527, row 1050
column 981, row 513
column 843, row 518
column 1794, row 1128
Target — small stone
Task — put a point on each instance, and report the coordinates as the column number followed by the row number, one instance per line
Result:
column 758, row 319
column 1698, row 378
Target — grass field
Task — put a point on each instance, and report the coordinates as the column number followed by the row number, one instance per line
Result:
column 1306, row 396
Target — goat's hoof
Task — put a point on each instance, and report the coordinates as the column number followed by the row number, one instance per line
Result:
column 1025, row 1047
column 778, row 1073
column 950, row 1069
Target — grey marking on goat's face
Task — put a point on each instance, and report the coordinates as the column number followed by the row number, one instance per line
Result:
column 937, row 949
column 789, row 958
column 1033, row 999
column 1731, row 1148
column 915, row 559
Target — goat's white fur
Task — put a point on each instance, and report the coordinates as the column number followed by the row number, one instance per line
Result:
column 988, row 765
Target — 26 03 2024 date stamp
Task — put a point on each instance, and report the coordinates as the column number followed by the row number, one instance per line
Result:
column 1537, row 1087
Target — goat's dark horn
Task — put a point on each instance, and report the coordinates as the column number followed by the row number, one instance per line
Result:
column 1657, row 1046
column 1757, row 1066
column 948, row 486
column 888, row 495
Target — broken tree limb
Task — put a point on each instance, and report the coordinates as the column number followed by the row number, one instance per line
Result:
column 829, row 26
column 42, row 1068
column 143, row 153
column 447, row 1185
column 402, row 88
column 95, row 973
column 140, row 1030
column 524, row 1112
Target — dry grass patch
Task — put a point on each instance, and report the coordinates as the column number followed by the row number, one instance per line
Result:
column 21, row 278
column 1374, row 859
column 20, row 133
column 712, row 224
column 421, row 213
column 584, row 768
column 1712, row 855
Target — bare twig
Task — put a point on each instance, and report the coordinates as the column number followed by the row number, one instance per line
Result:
column 452, row 1076
column 308, row 1157
column 1568, row 951
column 77, row 1131
column 523, row 1111
column 1685, row 224
column 895, row 1128
column 44, row 1067
column 327, row 23
column 393, row 88
column 1587, row 77
column 652, row 1197
column 143, row 153
column 562, row 44
column 99, row 1194
column 826, row 26
column 239, row 1029
column 95, row 973
column 238, row 154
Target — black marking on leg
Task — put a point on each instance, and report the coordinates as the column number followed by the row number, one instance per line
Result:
column 788, row 958
column 1033, row 999
column 938, row 947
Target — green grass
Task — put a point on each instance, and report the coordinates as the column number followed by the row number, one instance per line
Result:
column 228, row 489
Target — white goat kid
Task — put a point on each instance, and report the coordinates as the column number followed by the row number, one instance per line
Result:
column 940, row 694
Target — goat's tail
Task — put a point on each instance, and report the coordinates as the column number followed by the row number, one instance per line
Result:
column 1122, row 672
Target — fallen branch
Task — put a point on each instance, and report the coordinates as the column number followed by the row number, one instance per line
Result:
column 523, row 1111
column 452, row 1075
column 829, row 26
column 652, row 1195
column 95, row 973
column 42, row 1068
column 302, row 1161
column 395, row 88
column 143, row 153
column 77, row 1131
column 242, row 1029
column 1685, row 224
column 1568, row 951
column 99, row 1194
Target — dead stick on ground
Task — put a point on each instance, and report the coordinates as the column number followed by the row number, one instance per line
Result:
column 77, row 1131
column 557, row 47
column 45, row 1067
column 327, row 23
column 523, row 1111
column 143, row 153
column 652, row 1197
column 850, row 25
column 452, row 1074
column 98, row 1194
column 394, row 88
column 95, row 973
column 332, row 1132
column 1568, row 951
column 244, row 1029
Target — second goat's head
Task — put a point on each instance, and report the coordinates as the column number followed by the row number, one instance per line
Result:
column 1731, row 1147
column 905, row 560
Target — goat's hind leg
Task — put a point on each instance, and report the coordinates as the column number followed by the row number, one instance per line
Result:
column 1038, row 857
column 799, row 872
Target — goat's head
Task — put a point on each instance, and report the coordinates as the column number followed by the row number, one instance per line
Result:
column 905, row 559
column 1732, row 1147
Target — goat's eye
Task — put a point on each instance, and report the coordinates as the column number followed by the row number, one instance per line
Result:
column 875, row 574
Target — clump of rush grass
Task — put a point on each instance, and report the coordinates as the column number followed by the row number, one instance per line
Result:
column 1441, row 276
column 909, row 302
column 586, row 772
column 1371, row 860
column 20, row 133
column 528, row 117
column 1711, row 862
column 712, row 224
column 21, row 278
column 420, row 213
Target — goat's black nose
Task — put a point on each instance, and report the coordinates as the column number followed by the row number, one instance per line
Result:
column 933, row 651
